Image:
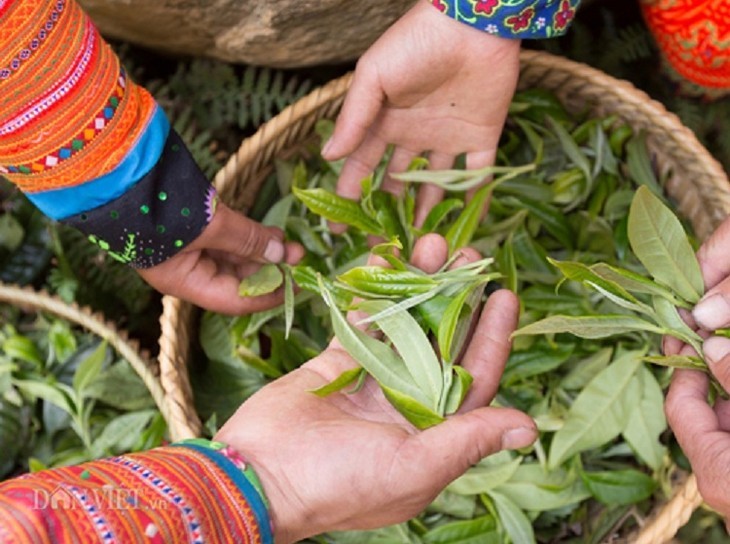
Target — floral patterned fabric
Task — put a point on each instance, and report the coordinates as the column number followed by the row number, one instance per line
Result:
column 522, row 19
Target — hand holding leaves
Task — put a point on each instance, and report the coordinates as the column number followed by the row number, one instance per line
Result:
column 385, row 470
column 659, row 242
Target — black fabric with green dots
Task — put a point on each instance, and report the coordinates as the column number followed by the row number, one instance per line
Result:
column 162, row 213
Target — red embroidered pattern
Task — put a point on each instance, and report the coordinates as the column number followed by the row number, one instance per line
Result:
column 65, row 116
column 521, row 21
column 89, row 133
column 694, row 36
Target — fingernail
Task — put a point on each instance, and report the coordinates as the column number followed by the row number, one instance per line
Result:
column 274, row 251
column 326, row 147
column 716, row 348
column 712, row 312
column 518, row 438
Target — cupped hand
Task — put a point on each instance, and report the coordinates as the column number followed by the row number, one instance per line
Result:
column 350, row 460
column 429, row 84
column 208, row 271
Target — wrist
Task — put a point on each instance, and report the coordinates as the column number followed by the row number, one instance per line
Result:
column 289, row 519
column 243, row 475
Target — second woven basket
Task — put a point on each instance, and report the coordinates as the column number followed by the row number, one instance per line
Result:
column 695, row 181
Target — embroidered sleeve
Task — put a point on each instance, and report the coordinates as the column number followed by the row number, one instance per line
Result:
column 521, row 19
column 186, row 493
column 86, row 144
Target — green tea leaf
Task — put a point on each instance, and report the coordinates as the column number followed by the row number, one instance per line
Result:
column 648, row 422
column 586, row 368
column 377, row 280
column 539, row 359
column 89, row 368
column 635, row 283
column 440, row 212
column 340, row 382
column 279, row 213
column 451, row 317
column 482, row 530
column 458, row 390
column 47, row 392
column 515, row 522
column 121, row 433
column 570, row 148
column 462, row 230
column 413, row 346
column 415, row 412
column 669, row 318
column 289, row 301
column 678, row 361
column 660, row 243
column 486, row 475
column 531, row 487
column 639, row 163
column 265, row 280
column 601, row 410
column 613, row 291
column 598, row 326
column 374, row 356
column 338, row 209
column 619, row 486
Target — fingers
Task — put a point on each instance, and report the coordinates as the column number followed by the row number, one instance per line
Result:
column 713, row 256
column 698, row 431
column 238, row 235
column 447, row 450
column 717, row 354
column 430, row 253
column 359, row 110
column 212, row 283
column 489, row 349
column 713, row 310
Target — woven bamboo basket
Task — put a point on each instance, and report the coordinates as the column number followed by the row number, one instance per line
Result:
column 695, row 181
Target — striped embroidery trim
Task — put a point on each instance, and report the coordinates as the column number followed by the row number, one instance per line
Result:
column 91, row 131
column 35, row 43
column 58, row 92
column 92, row 511
column 193, row 524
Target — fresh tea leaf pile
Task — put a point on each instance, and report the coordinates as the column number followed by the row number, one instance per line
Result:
column 559, row 204
column 64, row 399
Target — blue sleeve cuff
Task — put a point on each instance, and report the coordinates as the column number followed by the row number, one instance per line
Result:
column 63, row 203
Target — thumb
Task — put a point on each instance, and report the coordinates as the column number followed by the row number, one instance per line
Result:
column 362, row 105
column 238, row 235
column 450, row 448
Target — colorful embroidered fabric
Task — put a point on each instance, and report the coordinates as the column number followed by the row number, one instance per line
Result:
column 523, row 19
column 694, row 36
column 76, row 134
column 192, row 493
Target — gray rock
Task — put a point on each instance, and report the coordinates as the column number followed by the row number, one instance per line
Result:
column 277, row 33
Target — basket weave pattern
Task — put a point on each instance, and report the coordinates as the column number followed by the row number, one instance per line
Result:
column 695, row 181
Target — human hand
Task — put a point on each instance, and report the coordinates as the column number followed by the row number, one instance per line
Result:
column 208, row 271
column 429, row 84
column 703, row 430
column 351, row 461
